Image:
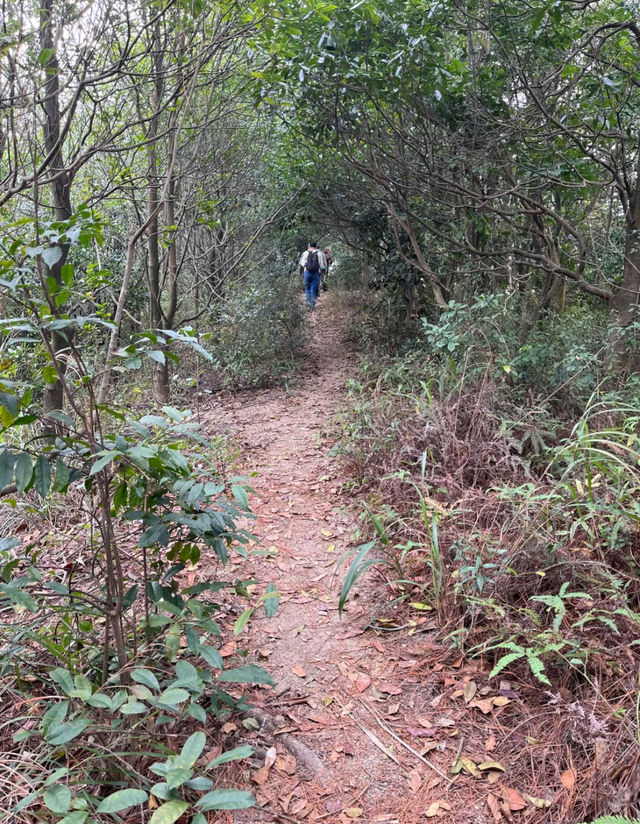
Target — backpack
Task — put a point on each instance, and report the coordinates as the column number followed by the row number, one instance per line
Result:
column 312, row 264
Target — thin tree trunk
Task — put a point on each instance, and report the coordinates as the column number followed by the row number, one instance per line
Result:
column 60, row 186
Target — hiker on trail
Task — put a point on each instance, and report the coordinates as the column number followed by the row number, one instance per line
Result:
column 312, row 261
column 324, row 273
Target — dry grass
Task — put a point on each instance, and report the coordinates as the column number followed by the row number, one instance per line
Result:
column 577, row 740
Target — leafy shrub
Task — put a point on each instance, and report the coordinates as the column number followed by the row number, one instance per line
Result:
column 258, row 332
column 108, row 658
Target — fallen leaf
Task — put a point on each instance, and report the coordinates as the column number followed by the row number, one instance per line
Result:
column 415, row 781
column 327, row 533
column 390, row 689
column 299, row 671
column 540, row 803
column 432, row 810
column 363, row 681
column 470, row 689
column 443, row 721
column 568, row 779
column 491, row 765
column 228, row 649
column 485, row 705
column 353, row 812
column 501, row 701
column 270, row 757
column 229, row 727
column 250, row 723
column 333, row 805
column 513, row 798
column 261, row 775
column 493, row 776
column 492, row 803
column 490, row 743
column 469, row 767
column 393, row 709
column 331, row 548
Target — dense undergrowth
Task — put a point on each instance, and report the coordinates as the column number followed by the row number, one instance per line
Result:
column 117, row 518
column 499, row 483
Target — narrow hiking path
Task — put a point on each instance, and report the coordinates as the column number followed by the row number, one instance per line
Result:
column 342, row 691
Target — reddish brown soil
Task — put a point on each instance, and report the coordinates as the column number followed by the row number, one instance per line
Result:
column 341, row 688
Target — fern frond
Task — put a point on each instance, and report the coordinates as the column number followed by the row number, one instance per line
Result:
column 505, row 661
column 537, row 668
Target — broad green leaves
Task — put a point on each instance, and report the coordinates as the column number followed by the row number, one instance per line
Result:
column 122, row 800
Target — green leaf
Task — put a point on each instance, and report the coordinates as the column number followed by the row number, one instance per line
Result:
column 242, row 621
column 158, row 356
column 19, row 596
column 42, row 480
column 75, row 817
column 146, row 677
column 211, row 656
column 63, row 678
column 100, row 464
column 240, row 494
column 63, row 733
column 197, row 712
column 251, row 674
column 57, row 798
column 198, row 818
column 51, row 255
column 156, row 534
column 236, row 754
column 24, row 471
column 176, row 776
column 169, row 812
column 45, row 55
column 193, row 747
column 173, row 696
column 62, row 477
column 24, row 802
column 6, row 468
column 226, row 800
column 10, row 404
column 358, row 567
column 56, row 775
column 271, row 600
column 67, row 274
column 133, row 708
column 122, row 799
column 99, row 700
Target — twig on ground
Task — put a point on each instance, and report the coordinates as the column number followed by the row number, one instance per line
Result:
column 409, row 747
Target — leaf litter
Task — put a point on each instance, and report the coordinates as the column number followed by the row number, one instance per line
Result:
column 390, row 698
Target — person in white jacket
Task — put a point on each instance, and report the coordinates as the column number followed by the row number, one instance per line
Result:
column 312, row 262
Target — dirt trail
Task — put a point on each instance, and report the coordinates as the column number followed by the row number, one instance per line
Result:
column 337, row 686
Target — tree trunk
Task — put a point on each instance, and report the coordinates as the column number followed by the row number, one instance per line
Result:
column 153, row 246
column 60, row 187
column 627, row 296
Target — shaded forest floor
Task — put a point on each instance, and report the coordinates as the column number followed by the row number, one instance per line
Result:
column 361, row 726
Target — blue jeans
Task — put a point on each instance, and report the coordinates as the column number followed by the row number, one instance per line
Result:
column 311, row 284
